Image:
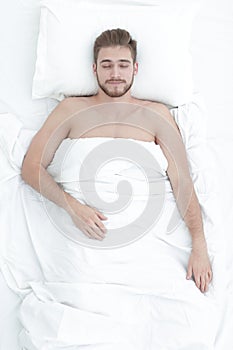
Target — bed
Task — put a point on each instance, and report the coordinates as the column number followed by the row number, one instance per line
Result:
column 21, row 115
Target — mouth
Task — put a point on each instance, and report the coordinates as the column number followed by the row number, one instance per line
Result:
column 115, row 82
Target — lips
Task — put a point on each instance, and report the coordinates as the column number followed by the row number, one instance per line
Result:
column 115, row 82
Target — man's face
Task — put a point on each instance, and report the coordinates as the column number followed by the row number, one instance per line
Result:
column 115, row 70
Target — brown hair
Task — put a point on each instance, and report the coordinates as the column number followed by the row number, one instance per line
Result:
column 115, row 37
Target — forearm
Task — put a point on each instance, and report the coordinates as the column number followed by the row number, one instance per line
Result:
column 39, row 179
column 190, row 211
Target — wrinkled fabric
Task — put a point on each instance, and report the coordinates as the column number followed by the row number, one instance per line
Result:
column 131, row 297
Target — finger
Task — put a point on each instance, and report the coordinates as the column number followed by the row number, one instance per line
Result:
column 94, row 228
column 197, row 278
column 87, row 233
column 92, row 234
column 96, row 232
column 189, row 273
column 206, row 286
column 101, row 216
column 210, row 275
column 208, row 280
column 100, row 225
column 203, row 283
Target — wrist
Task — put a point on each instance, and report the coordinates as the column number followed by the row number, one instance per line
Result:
column 70, row 203
column 199, row 243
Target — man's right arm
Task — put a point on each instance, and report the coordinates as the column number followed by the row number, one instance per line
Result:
column 38, row 178
column 41, row 151
column 39, row 155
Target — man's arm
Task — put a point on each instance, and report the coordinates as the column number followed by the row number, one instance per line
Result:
column 39, row 155
column 41, row 151
column 170, row 140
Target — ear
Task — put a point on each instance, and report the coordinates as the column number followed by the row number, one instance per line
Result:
column 94, row 68
column 135, row 68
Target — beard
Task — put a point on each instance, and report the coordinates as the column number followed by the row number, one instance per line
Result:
column 115, row 92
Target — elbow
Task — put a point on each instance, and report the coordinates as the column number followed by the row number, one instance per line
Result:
column 26, row 171
column 181, row 183
column 185, row 187
column 29, row 171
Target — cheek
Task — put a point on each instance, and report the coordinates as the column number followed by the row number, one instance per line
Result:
column 104, row 73
column 101, row 75
column 129, row 74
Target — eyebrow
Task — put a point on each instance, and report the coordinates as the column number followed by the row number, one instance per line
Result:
column 121, row 60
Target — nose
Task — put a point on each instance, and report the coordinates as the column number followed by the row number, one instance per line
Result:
column 115, row 72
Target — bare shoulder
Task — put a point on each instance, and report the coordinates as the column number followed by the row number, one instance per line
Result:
column 64, row 112
column 73, row 104
column 59, row 121
column 163, row 111
column 158, row 107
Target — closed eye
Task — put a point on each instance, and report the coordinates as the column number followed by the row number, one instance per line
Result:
column 121, row 66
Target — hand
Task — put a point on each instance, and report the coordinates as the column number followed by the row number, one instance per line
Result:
column 87, row 219
column 199, row 266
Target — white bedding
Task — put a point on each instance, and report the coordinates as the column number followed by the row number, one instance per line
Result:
column 212, row 57
column 55, row 275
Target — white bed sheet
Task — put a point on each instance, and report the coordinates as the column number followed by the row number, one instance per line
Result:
column 162, row 256
column 213, row 77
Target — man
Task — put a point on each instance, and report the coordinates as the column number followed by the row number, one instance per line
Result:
column 115, row 66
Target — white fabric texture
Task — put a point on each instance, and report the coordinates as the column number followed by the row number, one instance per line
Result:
column 212, row 54
column 19, row 23
column 132, row 297
column 162, row 29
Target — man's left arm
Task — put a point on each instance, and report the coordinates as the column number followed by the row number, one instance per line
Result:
column 169, row 138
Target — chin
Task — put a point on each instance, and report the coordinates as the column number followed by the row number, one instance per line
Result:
column 117, row 95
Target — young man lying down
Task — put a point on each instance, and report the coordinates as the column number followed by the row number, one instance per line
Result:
column 114, row 114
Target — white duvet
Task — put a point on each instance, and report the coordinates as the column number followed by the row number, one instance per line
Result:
column 130, row 297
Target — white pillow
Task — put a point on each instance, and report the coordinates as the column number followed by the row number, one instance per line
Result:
column 162, row 29
column 19, row 27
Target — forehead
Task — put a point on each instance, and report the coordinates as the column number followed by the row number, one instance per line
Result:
column 115, row 53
